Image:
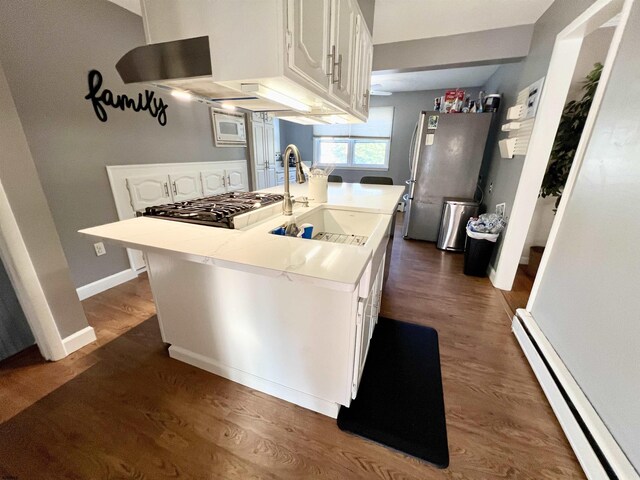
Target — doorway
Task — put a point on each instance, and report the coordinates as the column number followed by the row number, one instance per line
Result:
column 591, row 58
column 562, row 68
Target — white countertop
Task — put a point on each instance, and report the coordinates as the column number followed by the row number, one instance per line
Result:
column 256, row 250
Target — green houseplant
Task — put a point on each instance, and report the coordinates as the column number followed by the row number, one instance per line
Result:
column 567, row 138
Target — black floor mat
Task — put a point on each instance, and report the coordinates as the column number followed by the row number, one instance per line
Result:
column 400, row 402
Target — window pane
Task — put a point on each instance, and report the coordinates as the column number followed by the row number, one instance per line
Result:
column 370, row 153
column 333, row 152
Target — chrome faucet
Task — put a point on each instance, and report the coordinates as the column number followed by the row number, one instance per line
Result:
column 287, row 203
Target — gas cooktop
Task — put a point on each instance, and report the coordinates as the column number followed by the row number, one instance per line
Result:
column 213, row 211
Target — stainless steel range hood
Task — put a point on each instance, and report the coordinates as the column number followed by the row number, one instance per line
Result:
column 157, row 62
column 185, row 65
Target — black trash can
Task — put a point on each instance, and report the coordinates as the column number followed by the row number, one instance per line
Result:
column 477, row 254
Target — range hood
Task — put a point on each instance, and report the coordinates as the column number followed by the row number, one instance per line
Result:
column 185, row 65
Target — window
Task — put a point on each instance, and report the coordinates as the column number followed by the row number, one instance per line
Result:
column 358, row 146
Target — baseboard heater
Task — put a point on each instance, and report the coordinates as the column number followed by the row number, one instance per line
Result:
column 597, row 451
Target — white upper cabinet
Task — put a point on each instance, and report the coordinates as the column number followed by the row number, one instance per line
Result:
column 269, row 55
column 213, row 182
column 363, row 64
column 185, row 186
column 343, row 14
column 308, row 40
column 148, row 190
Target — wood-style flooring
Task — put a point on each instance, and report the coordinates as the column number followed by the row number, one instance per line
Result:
column 518, row 296
column 121, row 408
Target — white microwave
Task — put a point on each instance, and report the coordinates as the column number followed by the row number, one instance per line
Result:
column 228, row 129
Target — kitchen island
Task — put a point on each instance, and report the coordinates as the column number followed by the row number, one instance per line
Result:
column 290, row 317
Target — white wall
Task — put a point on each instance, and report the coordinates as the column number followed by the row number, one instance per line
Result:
column 587, row 303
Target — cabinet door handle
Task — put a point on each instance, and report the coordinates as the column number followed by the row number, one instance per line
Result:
column 175, row 190
column 330, row 59
column 224, row 181
column 166, row 189
column 229, row 180
column 365, row 103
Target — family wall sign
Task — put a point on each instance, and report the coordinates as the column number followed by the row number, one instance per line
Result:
column 146, row 102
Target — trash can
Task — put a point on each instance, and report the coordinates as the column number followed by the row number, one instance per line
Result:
column 482, row 234
column 456, row 212
column 477, row 255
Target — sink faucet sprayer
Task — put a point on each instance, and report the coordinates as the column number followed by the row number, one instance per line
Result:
column 287, row 204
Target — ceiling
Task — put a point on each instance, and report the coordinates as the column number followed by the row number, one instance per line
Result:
column 433, row 79
column 399, row 20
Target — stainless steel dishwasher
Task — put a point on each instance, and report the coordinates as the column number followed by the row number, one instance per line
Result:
column 455, row 215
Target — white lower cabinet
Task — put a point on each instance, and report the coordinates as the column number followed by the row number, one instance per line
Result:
column 136, row 187
column 213, row 182
column 186, row 186
column 147, row 190
column 280, row 176
column 366, row 320
column 237, row 180
column 219, row 181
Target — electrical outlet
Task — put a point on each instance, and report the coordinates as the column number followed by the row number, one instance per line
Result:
column 490, row 189
column 500, row 209
column 99, row 248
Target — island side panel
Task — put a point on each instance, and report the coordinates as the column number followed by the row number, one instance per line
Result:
column 276, row 331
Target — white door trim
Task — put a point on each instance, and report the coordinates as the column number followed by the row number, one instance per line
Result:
column 557, row 82
column 25, row 281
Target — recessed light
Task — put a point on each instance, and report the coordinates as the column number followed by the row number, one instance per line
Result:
column 182, row 95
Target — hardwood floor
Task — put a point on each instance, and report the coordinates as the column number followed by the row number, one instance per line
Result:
column 518, row 296
column 121, row 408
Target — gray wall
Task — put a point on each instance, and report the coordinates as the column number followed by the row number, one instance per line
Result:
column 368, row 10
column 587, row 303
column 46, row 49
column 487, row 47
column 31, row 212
column 407, row 107
column 509, row 80
column 15, row 334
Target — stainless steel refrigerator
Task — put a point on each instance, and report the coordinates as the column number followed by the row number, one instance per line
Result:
column 446, row 156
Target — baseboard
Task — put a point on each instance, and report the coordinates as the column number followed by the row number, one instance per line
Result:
column 492, row 274
column 106, row 283
column 527, row 332
column 271, row 388
column 77, row 340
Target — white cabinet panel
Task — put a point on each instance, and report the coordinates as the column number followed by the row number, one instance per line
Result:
column 362, row 69
column 237, row 180
column 262, row 152
column 344, row 38
column 366, row 320
column 257, row 144
column 261, row 179
column 213, row 182
column 279, row 178
column 271, row 177
column 185, row 186
column 148, row 190
column 269, row 146
column 309, row 31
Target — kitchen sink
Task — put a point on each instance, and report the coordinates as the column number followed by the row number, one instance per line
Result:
column 340, row 226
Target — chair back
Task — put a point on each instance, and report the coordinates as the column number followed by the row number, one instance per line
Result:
column 376, row 180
